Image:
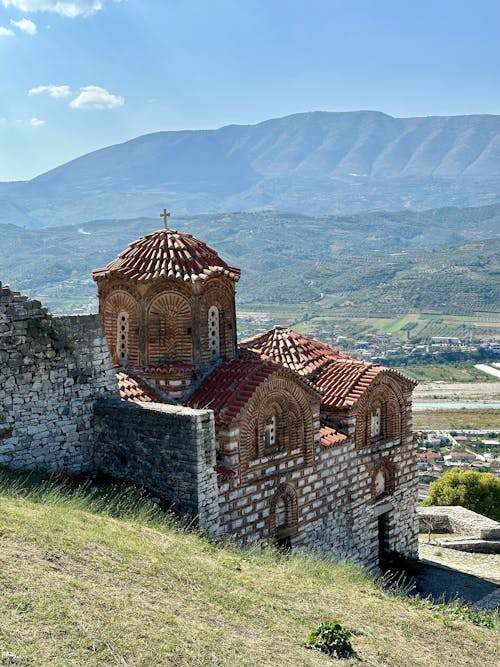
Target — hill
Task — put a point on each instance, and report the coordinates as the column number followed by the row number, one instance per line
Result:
column 382, row 261
column 329, row 162
column 103, row 577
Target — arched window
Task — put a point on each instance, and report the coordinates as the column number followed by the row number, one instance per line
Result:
column 380, row 484
column 213, row 332
column 376, row 422
column 122, row 325
column 280, row 514
column 284, row 517
column 270, row 433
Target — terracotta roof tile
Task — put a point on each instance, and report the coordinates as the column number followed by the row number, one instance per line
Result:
column 330, row 437
column 132, row 388
column 293, row 350
column 344, row 381
column 229, row 388
column 168, row 254
column 223, row 472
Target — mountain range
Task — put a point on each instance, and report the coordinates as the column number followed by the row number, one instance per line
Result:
column 313, row 163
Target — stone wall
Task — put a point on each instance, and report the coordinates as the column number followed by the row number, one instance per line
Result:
column 459, row 520
column 52, row 369
column 168, row 449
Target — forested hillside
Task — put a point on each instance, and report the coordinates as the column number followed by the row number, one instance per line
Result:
column 382, row 262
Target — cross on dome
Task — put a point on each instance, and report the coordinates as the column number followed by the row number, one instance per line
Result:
column 165, row 215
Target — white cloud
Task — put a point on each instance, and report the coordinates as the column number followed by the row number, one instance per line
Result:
column 95, row 97
column 6, row 32
column 69, row 8
column 36, row 122
column 53, row 91
column 25, row 25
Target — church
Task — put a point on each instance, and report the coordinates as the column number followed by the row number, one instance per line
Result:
column 311, row 448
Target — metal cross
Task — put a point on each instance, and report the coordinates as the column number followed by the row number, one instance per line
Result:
column 165, row 215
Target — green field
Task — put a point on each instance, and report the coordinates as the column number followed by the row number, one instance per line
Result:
column 462, row 372
column 413, row 326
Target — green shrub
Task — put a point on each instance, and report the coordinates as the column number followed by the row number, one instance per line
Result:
column 332, row 639
column 476, row 491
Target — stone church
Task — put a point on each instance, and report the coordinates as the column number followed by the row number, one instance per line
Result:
column 312, row 448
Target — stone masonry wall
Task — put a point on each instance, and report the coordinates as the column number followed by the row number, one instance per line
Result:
column 168, row 449
column 51, row 371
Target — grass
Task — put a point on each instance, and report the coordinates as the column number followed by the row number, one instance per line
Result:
column 454, row 419
column 103, row 577
column 451, row 372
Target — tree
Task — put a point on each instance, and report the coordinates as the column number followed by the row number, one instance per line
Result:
column 477, row 491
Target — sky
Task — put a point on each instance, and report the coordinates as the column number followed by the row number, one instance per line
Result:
column 78, row 75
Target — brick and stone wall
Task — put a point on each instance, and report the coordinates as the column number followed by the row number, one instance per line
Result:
column 51, row 371
column 168, row 449
column 331, row 499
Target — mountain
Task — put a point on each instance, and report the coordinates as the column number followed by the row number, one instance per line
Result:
column 445, row 259
column 315, row 163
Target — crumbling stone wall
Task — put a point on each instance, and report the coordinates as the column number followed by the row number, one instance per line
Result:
column 168, row 449
column 52, row 369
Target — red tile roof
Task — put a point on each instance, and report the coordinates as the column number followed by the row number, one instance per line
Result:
column 167, row 254
column 293, row 350
column 229, row 388
column 344, row 381
column 223, row 472
column 330, row 437
column 133, row 388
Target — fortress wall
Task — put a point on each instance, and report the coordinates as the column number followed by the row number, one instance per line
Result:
column 168, row 449
column 52, row 369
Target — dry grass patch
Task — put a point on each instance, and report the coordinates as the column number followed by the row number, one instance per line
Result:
column 81, row 587
column 456, row 419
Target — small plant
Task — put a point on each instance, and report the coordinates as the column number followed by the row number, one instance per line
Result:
column 332, row 639
column 460, row 612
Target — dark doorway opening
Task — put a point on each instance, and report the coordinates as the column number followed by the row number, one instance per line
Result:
column 383, row 541
column 283, row 538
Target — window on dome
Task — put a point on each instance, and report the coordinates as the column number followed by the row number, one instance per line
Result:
column 122, row 337
column 376, row 423
column 213, row 332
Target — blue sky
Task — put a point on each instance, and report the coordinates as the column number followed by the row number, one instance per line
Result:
column 77, row 75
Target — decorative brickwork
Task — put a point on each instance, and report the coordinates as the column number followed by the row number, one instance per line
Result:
column 285, row 440
column 169, row 329
column 115, row 306
column 168, row 299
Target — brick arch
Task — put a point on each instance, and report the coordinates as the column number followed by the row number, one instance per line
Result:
column 287, row 495
column 219, row 293
column 389, row 470
column 121, row 301
column 116, row 284
column 289, row 422
column 387, row 395
column 282, row 391
column 169, row 329
column 163, row 286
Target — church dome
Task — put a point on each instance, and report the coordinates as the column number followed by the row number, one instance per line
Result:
column 167, row 254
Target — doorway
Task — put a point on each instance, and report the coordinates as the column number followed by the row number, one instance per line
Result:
column 383, row 540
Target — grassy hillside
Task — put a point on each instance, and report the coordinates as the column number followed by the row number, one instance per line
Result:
column 92, row 580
